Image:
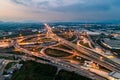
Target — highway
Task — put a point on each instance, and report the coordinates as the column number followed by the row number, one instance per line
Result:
column 60, row 63
column 87, row 53
column 63, row 64
column 83, row 52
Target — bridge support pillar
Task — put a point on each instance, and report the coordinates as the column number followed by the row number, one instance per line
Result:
column 58, row 70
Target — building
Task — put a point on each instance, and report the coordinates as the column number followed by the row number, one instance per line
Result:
column 1, row 63
column 115, row 75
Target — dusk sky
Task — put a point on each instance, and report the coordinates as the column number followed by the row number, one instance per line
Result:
column 59, row 10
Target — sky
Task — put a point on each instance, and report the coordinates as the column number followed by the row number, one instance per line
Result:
column 59, row 10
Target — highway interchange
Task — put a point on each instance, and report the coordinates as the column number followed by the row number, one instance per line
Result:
column 87, row 53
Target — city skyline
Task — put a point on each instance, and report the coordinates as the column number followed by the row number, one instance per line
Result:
column 62, row 10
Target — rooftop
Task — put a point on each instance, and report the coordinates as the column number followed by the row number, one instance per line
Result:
column 115, row 75
column 1, row 60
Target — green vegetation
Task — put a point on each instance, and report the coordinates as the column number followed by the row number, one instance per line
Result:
column 16, row 52
column 6, row 50
column 35, row 71
column 33, row 48
column 64, row 36
column 29, row 33
column 10, row 51
column 84, row 44
column 8, row 58
column 67, row 37
column 9, row 36
column 56, row 53
column 9, row 65
column 64, row 47
column 65, row 75
column 72, row 38
column 46, row 39
column 56, row 31
column 42, row 39
column 17, row 35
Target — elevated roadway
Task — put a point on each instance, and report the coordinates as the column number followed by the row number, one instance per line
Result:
column 86, row 52
column 59, row 62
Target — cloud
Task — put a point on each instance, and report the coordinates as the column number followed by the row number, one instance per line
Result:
column 83, row 8
column 46, row 4
column 61, row 9
column 22, row 2
column 79, row 6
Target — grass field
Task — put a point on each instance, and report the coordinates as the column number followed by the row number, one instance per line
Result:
column 36, row 71
column 64, row 47
column 8, row 58
column 56, row 53
column 9, row 65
